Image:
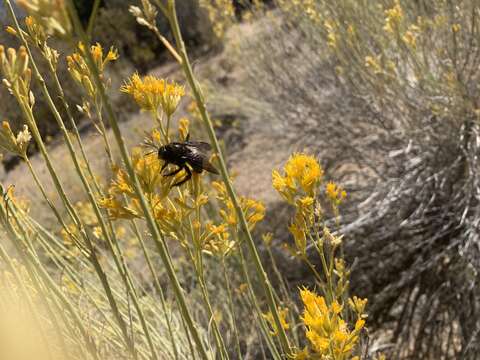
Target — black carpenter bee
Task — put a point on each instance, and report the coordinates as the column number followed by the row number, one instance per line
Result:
column 188, row 155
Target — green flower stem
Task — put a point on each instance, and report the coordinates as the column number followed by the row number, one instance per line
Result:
column 167, row 44
column 263, row 326
column 197, row 265
column 103, row 132
column 197, row 260
column 321, row 252
column 47, row 199
column 285, row 293
column 157, row 286
column 194, row 86
column 232, row 308
column 156, row 235
column 92, row 18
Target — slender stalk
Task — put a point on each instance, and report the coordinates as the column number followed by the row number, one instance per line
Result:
column 232, row 309
column 263, row 326
column 156, row 235
column 93, row 17
column 196, row 261
column 197, row 93
column 157, row 286
column 167, row 44
column 73, row 125
column 50, row 204
column 285, row 293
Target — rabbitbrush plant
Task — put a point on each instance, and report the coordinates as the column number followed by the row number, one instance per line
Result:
column 82, row 294
column 387, row 92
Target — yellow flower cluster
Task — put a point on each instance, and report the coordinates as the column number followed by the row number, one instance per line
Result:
column 331, row 33
column 282, row 313
column 411, row 35
column 16, row 73
column 456, row 28
column 373, row 63
column 172, row 210
column 393, row 17
column 35, row 33
column 153, row 94
column 302, row 174
column 335, row 193
column 326, row 329
column 78, row 68
column 254, row 210
column 15, row 144
column 300, row 8
column 155, row 186
column 299, row 187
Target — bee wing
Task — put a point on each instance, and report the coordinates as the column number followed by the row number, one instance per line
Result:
column 200, row 145
column 207, row 165
column 199, row 162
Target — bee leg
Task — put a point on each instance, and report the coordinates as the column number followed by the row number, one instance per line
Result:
column 174, row 172
column 186, row 178
column 164, row 166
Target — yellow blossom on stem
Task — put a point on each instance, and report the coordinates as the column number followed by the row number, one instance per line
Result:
column 304, row 354
column 78, row 68
column 326, row 329
column 267, row 238
column 411, row 35
column 183, row 128
column 373, row 63
column 302, row 174
column 15, row 144
column 153, row 94
column 283, row 320
column 335, row 193
column 34, row 32
column 117, row 209
column 358, row 305
column 16, row 74
column 254, row 210
column 393, row 17
column 300, row 237
column 217, row 241
column 456, row 28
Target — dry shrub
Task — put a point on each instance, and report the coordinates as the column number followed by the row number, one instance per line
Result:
column 388, row 95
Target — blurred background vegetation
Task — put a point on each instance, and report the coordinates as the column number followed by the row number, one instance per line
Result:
column 388, row 98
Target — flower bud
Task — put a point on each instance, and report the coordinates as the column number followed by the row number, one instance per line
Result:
column 11, row 56
column 11, row 30
column 22, row 61
column 87, row 84
column 3, row 60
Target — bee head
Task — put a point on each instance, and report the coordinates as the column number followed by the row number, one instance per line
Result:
column 162, row 152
